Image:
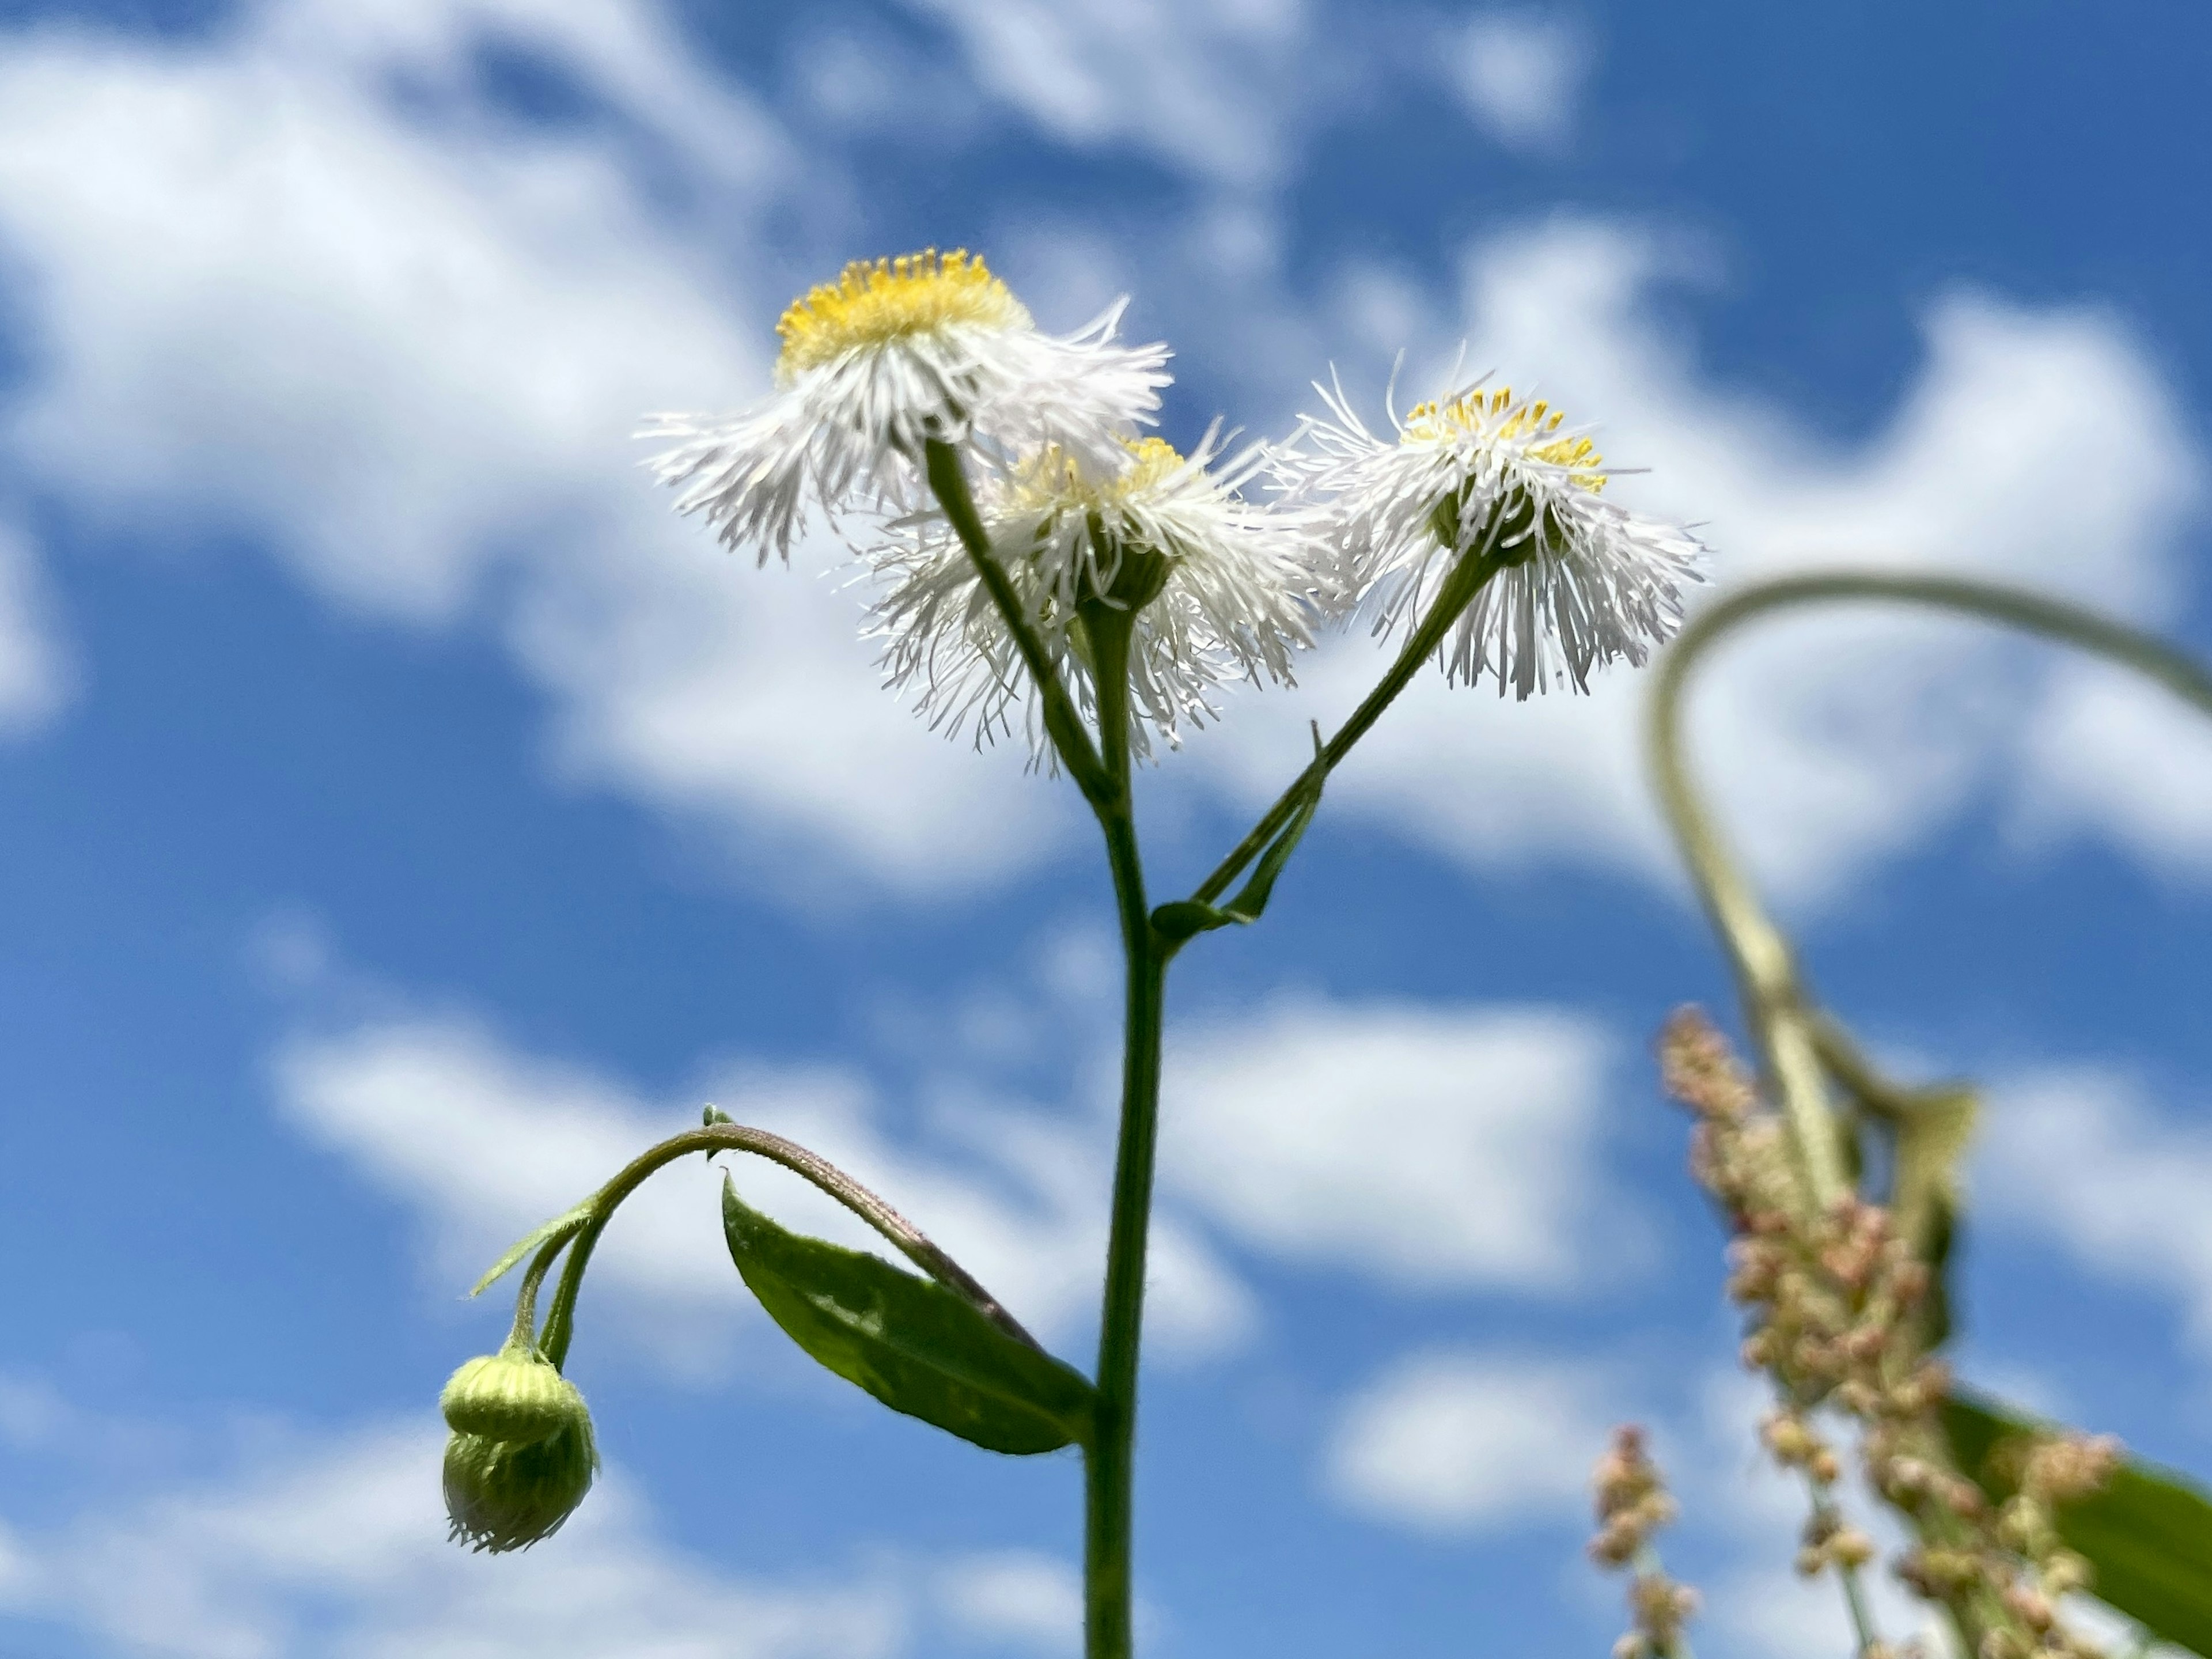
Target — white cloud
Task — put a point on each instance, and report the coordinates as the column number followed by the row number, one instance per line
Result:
column 1831, row 743
column 487, row 1143
column 35, row 673
column 1436, row 1148
column 404, row 349
column 2078, row 1154
column 1461, row 1442
column 1210, row 86
column 1015, row 1598
column 1520, row 75
column 409, row 356
column 2110, row 753
column 340, row 1549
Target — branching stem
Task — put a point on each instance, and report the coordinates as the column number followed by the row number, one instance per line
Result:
column 1465, row 580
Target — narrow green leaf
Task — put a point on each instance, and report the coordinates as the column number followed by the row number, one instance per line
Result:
column 1252, row 899
column 2148, row 1533
column 1931, row 1147
column 530, row 1242
column 913, row 1344
column 1186, row 918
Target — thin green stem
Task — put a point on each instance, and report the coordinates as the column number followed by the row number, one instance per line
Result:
column 948, row 482
column 560, row 1320
column 1827, row 1519
column 1774, row 996
column 525, row 1334
column 1465, row 580
column 1109, row 1465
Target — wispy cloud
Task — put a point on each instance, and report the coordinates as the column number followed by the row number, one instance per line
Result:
column 484, row 1142
column 1520, row 75
column 339, row 1548
column 37, row 674
column 1462, row 1440
column 1438, row 1147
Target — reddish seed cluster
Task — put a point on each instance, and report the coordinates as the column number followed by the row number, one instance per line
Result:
column 1834, row 1297
column 1632, row 1505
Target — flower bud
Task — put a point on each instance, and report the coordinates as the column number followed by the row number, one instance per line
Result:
column 502, row 1495
column 516, row 1395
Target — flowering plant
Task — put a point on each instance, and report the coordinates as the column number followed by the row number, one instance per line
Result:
column 1037, row 560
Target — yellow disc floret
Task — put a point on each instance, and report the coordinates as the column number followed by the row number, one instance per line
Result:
column 1478, row 414
column 1052, row 478
column 876, row 301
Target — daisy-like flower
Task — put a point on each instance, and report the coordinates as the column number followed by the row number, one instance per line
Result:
column 892, row 353
column 1578, row 581
column 1222, row 589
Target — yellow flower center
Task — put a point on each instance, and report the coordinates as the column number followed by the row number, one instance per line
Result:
column 1053, row 479
column 877, row 302
column 1052, row 484
column 1477, row 413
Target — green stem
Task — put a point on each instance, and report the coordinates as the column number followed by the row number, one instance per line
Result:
column 1800, row 1048
column 1110, row 1466
column 525, row 1334
column 560, row 1320
column 1465, row 580
column 1775, row 1003
column 948, row 482
column 1827, row 1518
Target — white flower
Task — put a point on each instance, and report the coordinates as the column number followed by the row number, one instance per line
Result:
column 892, row 353
column 1223, row 589
column 1579, row 580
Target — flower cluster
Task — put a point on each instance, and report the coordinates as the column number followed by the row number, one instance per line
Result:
column 1081, row 513
column 1834, row 1296
column 1633, row 1504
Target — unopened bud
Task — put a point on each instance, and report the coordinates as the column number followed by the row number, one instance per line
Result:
column 516, row 1395
column 504, row 1496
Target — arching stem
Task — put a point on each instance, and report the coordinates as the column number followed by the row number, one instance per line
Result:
column 908, row 1239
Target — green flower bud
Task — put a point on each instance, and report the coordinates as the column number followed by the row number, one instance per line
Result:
column 516, row 1395
column 502, row 1495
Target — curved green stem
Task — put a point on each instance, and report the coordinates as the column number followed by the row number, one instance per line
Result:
column 1801, row 1047
column 560, row 1319
column 1783, row 1023
column 525, row 1334
column 1110, row 1466
column 1465, row 580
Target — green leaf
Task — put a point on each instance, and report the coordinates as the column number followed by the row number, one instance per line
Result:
column 2148, row 1533
column 1185, row 918
column 570, row 1222
column 914, row 1345
column 1931, row 1146
column 1252, row 899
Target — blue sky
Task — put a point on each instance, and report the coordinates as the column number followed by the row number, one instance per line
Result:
column 406, row 817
